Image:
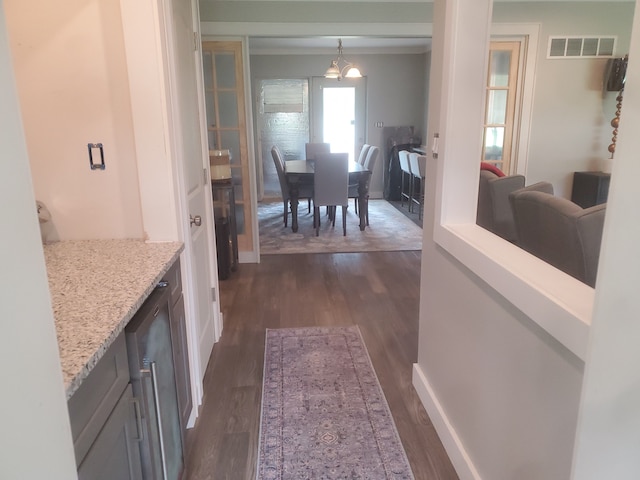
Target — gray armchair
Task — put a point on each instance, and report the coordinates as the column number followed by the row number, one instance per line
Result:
column 494, row 210
column 560, row 232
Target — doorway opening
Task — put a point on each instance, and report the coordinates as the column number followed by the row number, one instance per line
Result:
column 339, row 111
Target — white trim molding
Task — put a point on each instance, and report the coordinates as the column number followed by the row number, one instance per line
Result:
column 530, row 33
column 260, row 29
column 448, row 436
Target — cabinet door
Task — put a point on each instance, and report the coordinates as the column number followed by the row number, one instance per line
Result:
column 181, row 362
column 115, row 452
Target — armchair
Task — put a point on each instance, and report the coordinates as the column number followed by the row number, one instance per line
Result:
column 494, row 210
column 560, row 232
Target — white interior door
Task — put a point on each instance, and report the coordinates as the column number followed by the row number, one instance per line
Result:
column 338, row 113
column 188, row 128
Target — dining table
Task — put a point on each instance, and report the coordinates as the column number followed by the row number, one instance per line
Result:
column 300, row 172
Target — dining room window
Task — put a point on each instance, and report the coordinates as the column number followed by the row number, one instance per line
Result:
column 283, row 120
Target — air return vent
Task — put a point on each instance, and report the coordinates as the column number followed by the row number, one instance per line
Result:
column 581, row 47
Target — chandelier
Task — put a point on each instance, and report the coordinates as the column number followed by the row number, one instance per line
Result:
column 338, row 71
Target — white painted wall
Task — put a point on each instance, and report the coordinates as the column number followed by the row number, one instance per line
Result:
column 609, row 422
column 504, row 394
column 35, row 439
column 501, row 391
column 395, row 90
column 71, row 73
column 509, row 389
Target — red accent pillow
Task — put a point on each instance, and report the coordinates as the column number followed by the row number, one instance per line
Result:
column 492, row 168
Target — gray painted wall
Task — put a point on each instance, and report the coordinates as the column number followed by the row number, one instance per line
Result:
column 570, row 128
column 292, row 11
column 396, row 93
column 571, row 114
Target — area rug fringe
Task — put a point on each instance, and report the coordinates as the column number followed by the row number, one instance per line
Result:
column 323, row 411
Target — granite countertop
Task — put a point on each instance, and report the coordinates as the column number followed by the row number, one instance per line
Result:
column 96, row 288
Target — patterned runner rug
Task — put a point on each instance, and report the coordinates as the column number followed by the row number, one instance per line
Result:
column 388, row 230
column 324, row 415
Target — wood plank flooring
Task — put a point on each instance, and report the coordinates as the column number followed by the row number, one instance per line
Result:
column 377, row 291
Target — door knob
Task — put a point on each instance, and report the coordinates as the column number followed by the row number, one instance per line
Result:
column 197, row 220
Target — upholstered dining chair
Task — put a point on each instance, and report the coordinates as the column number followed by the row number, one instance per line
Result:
column 363, row 153
column 369, row 163
column 405, row 169
column 331, row 186
column 313, row 149
column 418, row 165
column 306, row 191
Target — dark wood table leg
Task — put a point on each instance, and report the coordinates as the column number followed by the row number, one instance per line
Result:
column 294, row 193
column 362, row 201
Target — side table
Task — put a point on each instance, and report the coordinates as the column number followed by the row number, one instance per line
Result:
column 224, row 214
column 590, row 188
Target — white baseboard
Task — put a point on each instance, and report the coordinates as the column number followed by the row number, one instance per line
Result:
column 248, row 257
column 452, row 443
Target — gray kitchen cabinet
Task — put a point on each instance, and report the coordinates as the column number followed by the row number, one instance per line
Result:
column 179, row 345
column 115, row 453
column 92, row 405
column 108, row 421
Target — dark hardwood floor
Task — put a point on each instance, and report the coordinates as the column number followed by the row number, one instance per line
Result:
column 377, row 291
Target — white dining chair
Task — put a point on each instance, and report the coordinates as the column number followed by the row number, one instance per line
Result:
column 312, row 150
column 331, row 187
column 405, row 168
column 368, row 162
column 363, row 153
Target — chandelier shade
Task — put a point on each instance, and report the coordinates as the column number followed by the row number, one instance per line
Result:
column 347, row 70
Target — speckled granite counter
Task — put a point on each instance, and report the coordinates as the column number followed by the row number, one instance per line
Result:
column 96, row 288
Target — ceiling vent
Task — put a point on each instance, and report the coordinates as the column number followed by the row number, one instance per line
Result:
column 581, row 47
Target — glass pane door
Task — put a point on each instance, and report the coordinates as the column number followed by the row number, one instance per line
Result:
column 339, row 113
column 339, row 118
column 502, row 82
column 226, row 124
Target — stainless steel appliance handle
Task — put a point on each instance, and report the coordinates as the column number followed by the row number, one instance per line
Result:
column 156, row 401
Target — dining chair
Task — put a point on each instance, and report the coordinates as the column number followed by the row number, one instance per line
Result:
column 363, row 153
column 418, row 164
column 369, row 162
column 306, row 191
column 313, row 149
column 405, row 168
column 331, row 187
